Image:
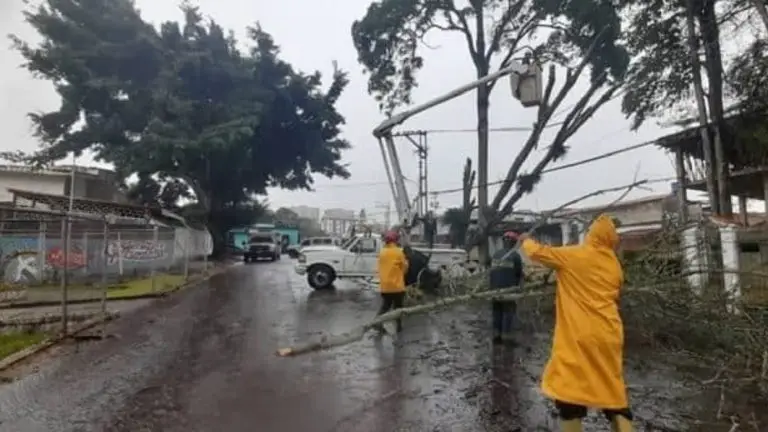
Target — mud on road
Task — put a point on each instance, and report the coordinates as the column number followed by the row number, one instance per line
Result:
column 204, row 361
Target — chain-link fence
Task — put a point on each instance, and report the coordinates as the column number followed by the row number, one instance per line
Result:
column 71, row 266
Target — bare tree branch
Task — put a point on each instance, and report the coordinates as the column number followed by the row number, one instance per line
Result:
column 557, row 147
column 499, row 29
column 546, row 111
column 450, row 12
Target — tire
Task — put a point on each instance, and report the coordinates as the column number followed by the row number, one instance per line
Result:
column 272, row 259
column 321, row 277
column 246, row 259
column 293, row 253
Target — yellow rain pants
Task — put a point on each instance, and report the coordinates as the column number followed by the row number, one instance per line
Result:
column 585, row 366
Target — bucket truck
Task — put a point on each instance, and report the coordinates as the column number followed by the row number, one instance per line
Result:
column 356, row 258
column 526, row 86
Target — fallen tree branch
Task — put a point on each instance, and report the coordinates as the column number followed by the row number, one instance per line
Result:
column 507, row 294
column 501, row 294
column 332, row 342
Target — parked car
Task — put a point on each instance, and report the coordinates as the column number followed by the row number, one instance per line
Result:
column 262, row 246
column 295, row 250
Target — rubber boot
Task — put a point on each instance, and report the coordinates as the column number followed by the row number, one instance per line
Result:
column 570, row 425
column 620, row 423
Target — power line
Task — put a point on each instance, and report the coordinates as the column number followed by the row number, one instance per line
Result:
column 474, row 130
column 497, row 182
column 560, row 167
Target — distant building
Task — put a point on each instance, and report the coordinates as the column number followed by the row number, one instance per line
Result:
column 338, row 221
column 640, row 220
column 306, row 212
column 89, row 183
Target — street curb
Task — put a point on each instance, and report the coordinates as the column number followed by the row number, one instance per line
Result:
column 48, row 343
column 33, row 350
column 30, row 305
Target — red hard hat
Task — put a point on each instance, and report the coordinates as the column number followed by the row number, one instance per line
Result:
column 391, row 236
column 511, row 235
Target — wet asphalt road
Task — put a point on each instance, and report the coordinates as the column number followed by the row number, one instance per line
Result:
column 204, row 360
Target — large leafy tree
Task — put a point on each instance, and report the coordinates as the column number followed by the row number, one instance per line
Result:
column 678, row 60
column 181, row 106
column 582, row 35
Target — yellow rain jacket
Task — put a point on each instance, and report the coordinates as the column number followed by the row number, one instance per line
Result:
column 392, row 268
column 586, row 364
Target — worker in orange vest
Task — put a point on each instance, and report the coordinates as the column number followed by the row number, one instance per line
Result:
column 585, row 368
column 392, row 266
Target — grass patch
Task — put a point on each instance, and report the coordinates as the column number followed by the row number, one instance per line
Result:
column 140, row 287
column 116, row 289
column 14, row 342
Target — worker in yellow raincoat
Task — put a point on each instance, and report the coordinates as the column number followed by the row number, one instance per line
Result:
column 585, row 368
column 392, row 267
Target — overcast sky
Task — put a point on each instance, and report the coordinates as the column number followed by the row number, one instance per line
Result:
column 312, row 34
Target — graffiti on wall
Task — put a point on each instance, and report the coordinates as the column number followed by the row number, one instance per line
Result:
column 76, row 258
column 20, row 263
column 135, row 251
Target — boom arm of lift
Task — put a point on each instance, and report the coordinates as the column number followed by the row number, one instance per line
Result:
column 383, row 132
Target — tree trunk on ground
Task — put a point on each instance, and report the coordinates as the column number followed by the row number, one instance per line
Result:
column 698, row 90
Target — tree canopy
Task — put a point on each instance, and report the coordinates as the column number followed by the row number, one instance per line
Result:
column 679, row 60
column 181, row 106
column 390, row 34
column 578, row 35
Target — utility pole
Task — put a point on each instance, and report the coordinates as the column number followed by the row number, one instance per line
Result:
column 66, row 239
column 419, row 141
column 525, row 83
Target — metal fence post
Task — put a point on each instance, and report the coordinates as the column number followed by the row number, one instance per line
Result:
column 41, row 252
column 119, row 247
column 104, row 269
column 85, row 253
column 64, row 277
column 205, row 256
column 186, row 254
column 153, row 263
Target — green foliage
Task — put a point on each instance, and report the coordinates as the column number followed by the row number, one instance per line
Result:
column 387, row 38
column 748, row 78
column 306, row 227
column 661, row 74
column 457, row 220
column 181, row 106
column 286, row 215
column 14, row 342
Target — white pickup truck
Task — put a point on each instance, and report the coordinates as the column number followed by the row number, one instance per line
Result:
column 357, row 258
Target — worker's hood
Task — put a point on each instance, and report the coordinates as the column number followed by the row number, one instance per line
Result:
column 602, row 233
